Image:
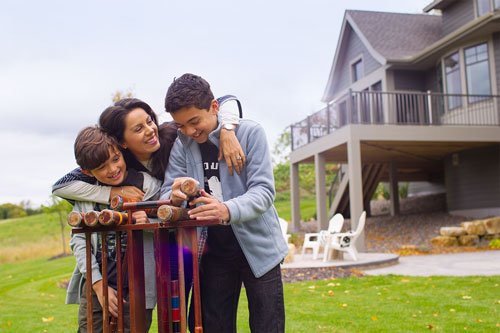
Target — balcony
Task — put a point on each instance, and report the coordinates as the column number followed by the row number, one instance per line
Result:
column 397, row 108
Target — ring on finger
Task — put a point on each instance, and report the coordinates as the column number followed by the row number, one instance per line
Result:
column 238, row 158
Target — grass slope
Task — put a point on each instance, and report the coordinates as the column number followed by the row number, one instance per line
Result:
column 31, row 237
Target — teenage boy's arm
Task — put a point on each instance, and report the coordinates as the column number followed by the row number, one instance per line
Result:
column 77, row 186
column 260, row 193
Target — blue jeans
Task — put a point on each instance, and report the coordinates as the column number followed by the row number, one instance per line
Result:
column 220, row 284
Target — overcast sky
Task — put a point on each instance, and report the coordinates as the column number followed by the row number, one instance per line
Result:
column 61, row 61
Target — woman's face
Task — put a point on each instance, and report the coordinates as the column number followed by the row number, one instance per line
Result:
column 141, row 134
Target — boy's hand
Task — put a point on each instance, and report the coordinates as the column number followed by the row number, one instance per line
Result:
column 177, row 197
column 212, row 209
column 140, row 217
column 130, row 192
column 112, row 298
column 230, row 149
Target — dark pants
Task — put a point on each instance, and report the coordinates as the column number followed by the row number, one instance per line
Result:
column 220, row 283
column 97, row 315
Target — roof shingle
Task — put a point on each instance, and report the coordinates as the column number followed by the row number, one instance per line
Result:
column 397, row 36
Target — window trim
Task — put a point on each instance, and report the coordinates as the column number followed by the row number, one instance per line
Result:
column 463, row 73
column 351, row 68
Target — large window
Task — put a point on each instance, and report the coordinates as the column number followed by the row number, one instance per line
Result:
column 357, row 70
column 453, row 82
column 477, row 71
column 483, row 7
column 497, row 4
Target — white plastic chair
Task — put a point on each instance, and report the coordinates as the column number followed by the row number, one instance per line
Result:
column 345, row 241
column 316, row 240
column 284, row 228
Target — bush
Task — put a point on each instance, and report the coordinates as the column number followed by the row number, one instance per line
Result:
column 494, row 244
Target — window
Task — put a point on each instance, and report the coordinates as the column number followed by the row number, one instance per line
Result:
column 453, row 82
column 357, row 70
column 483, row 7
column 497, row 4
column 477, row 72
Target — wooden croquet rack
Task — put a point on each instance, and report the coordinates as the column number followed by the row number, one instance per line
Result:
column 135, row 269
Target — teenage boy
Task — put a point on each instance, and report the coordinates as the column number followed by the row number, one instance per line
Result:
column 99, row 156
column 249, row 247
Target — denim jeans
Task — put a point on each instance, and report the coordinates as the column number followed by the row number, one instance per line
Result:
column 220, row 284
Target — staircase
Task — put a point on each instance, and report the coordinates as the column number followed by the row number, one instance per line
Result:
column 371, row 173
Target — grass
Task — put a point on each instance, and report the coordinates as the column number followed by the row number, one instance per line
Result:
column 307, row 208
column 31, row 237
column 32, row 301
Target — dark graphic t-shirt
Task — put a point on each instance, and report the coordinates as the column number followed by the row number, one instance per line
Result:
column 221, row 241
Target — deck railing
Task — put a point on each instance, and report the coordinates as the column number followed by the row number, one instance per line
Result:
column 397, row 108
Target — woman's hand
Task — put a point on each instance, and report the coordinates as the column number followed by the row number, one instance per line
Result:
column 140, row 217
column 130, row 192
column 230, row 149
column 212, row 209
column 112, row 298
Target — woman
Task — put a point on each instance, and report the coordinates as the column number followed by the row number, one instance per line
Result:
column 146, row 147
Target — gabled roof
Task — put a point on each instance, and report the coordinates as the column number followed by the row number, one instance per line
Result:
column 388, row 36
column 397, row 36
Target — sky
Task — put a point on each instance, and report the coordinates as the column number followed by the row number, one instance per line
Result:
column 61, row 61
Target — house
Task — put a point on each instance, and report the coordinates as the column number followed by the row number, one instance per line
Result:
column 410, row 97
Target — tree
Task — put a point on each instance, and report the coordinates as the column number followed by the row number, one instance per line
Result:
column 62, row 208
column 10, row 211
column 121, row 94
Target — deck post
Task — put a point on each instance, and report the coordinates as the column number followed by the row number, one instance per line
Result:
column 295, row 194
column 355, row 187
column 321, row 212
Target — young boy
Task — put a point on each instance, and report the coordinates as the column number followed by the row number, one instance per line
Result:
column 99, row 156
column 250, row 246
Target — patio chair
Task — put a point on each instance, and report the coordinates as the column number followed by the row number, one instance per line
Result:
column 284, row 228
column 345, row 241
column 316, row 240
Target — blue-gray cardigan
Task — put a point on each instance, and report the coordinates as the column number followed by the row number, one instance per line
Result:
column 249, row 196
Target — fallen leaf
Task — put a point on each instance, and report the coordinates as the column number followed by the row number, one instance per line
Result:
column 374, row 318
column 45, row 320
column 479, row 320
column 9, row 323
column 430, row 326
column 498, row 325
column 331, row 284
column 414, row 315
column 343, row 305
column 42, row 294
column 452, row 310
column 346, row 291
column 330, row 293
column 435, row 314
column 405, row 280
column 466, row 297
column 322, row 327
column 295, row 291
column 52, row 296
column 312, row 287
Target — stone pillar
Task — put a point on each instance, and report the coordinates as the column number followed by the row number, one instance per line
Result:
column 295, row 197
column 393, row 188
column 355, row 187
column 321, row 213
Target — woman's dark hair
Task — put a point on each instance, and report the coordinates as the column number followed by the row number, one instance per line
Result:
column 112, row 121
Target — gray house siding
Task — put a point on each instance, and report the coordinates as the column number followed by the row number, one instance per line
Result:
column 409, row 80
column 474, row 181
column 456, row 15
column 496, row 61
column 353, row 48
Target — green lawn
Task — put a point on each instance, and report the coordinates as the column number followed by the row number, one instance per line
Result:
column 32, row 301
column 307, row 208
